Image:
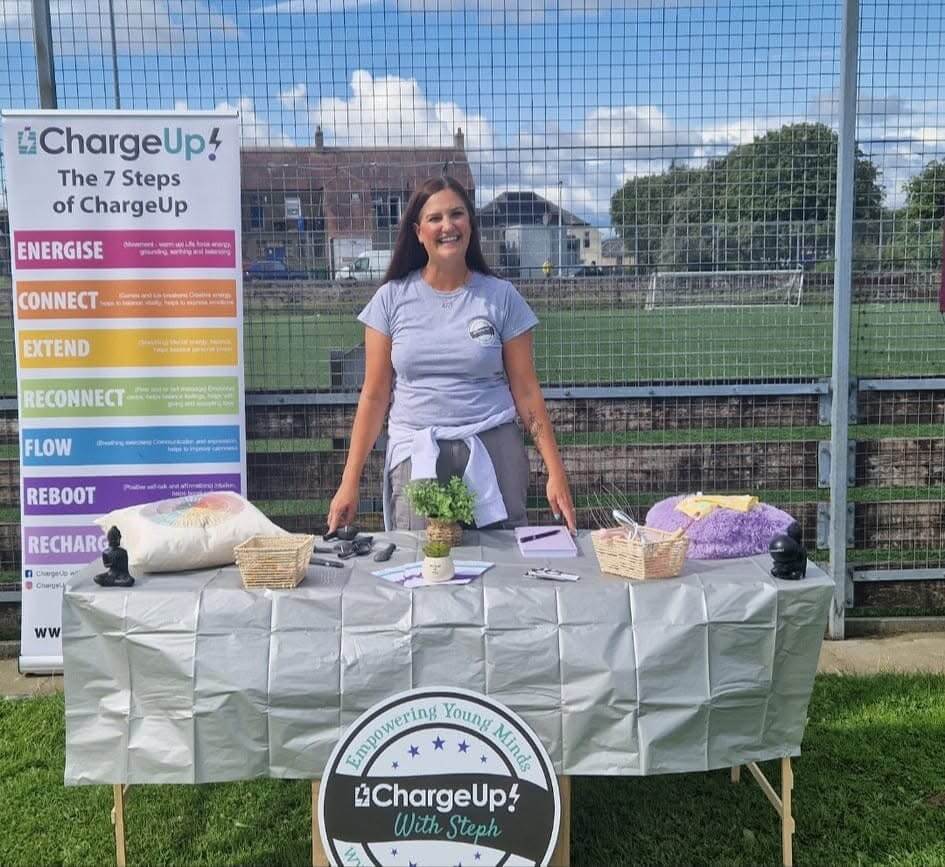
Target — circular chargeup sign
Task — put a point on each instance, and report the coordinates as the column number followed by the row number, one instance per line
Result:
column 438, row 776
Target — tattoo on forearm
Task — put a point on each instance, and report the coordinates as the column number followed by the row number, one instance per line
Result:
column 535, row 427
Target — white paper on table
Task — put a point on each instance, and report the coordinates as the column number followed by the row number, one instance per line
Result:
column 409, row 574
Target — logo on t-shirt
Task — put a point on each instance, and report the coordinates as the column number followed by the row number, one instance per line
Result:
column 483, row 332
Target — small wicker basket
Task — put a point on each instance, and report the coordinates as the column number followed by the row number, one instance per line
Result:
column 276, row 562
column 643, row 554
column 444, row 531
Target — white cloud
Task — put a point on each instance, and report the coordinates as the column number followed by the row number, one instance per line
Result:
column 392, row 111
column 583, row 164
column 255, row 129
column 294, row 98
column 143, row 26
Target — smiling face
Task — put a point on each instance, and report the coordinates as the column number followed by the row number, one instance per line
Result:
column 444, row 229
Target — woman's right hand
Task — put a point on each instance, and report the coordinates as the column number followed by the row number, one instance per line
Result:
column 343, row 508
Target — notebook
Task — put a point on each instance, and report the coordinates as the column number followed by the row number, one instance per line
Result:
column 559, row 544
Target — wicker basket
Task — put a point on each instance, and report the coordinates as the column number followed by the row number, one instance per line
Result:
column 276, row 562
column 651, row 553
column 444, row 531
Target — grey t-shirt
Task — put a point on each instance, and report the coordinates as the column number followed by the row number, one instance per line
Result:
column 447, row 347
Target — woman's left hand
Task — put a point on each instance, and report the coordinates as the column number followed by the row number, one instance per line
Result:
column 559, row 498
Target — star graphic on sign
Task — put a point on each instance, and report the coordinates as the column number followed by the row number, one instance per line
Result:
column 463, row 746
column 478, row 855
column 411, row 864
column 438, row 743
column 395, row 765
column 393, row 851
column 483, row 759
column 414, row 751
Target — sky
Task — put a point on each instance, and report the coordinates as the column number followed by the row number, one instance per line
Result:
column 569, row 99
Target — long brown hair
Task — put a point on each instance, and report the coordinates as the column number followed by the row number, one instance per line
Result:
column 409, row 254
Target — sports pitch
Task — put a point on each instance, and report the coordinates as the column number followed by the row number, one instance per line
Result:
column 289, row 349
column 594, row 347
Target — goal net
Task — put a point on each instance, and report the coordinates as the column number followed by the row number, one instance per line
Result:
column 725, row 289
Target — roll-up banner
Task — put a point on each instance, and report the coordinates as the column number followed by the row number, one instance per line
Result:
column 125, row 247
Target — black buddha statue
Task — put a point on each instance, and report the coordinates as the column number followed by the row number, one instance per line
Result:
column 788, row 554
column 115, row 559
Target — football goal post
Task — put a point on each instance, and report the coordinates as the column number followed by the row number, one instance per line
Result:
column 725, row 289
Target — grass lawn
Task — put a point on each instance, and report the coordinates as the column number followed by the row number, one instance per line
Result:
column 587, row 346
column 869, row 789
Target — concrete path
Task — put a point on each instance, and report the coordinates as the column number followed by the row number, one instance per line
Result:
column 918, row 652
column 910, row 652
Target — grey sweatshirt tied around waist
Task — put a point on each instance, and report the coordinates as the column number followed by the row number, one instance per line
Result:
column 421, row 446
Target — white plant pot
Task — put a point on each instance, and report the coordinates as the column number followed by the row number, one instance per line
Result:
column 436, row 570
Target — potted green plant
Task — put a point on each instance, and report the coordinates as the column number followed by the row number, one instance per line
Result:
column 444, row 506
column 437, row 564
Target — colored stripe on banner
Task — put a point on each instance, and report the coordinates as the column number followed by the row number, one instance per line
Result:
column 112, row 299
column 85, row 398
column 93, row 495
column 45, row 546
column 132, row 248
column 128, row 347
column 99, row 446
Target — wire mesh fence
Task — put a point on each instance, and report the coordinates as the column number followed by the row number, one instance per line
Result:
column 658, row 180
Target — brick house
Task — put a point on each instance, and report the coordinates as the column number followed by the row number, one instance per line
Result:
column 316, row 208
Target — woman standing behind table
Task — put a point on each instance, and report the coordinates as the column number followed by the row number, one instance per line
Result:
column 454, row 343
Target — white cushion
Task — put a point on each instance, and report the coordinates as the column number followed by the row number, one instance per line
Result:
column 187, row 532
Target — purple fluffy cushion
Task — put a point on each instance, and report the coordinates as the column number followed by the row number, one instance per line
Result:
column 724, row 533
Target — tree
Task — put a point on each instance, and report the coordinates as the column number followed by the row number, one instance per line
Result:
column 768, row 203
column 642, row 208
column 790, row 175
column 925, row 193
column 913, row 234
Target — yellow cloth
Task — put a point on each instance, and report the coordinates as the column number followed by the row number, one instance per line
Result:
column 699, row 505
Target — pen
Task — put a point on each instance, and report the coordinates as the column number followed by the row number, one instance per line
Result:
column 544, row 535
column 317, row 561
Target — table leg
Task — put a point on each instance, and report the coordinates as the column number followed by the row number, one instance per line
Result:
column 118, row 820
column 561, row 856
column 319, row 858
column 787, row 820
column 736, row 773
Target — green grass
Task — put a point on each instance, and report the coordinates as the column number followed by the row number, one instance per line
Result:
column 578, row 345
column 869, row 789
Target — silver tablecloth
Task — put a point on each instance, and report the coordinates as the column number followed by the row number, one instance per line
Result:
column 189, row 678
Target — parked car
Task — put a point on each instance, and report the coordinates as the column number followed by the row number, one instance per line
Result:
column 369, row 265
column 587, row 271
column 271, row 269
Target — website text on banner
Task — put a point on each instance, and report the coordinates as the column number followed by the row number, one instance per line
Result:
column 128, row 314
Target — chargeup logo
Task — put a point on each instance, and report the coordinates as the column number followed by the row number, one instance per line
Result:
column 26, row 142
column 439, row 776
column 483, row 331
column 129, row 146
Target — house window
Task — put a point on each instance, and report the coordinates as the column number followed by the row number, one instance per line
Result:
column 254, row 211
column 587, row 240
column 387, row 211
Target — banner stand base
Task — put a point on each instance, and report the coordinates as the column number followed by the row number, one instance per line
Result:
column 40, row 664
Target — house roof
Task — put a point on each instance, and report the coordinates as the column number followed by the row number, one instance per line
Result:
column 348, row 177
column 525, row 208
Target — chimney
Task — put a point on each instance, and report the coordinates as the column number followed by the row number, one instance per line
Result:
column 319, row 139
column 459, row 140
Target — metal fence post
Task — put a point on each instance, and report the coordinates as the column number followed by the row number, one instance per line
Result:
column 45, row 65
column 842, row 303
